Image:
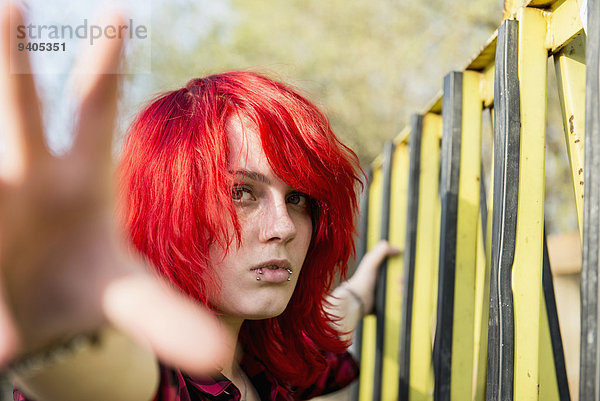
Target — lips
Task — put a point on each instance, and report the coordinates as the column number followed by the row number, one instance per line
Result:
column 273, row 271
column 273, row 264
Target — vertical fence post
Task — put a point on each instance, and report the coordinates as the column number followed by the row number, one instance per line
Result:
column 500, row 361
column 589, row 376
column 420, row 259
column 460, row 192
column 361, row 249
column 410, row 254
column 380, row 293
column 528, row 261
column 449, row 181
column 395, row 269
column 369, row 324
column 552, row 356
column 482, row 294
column 569, row 64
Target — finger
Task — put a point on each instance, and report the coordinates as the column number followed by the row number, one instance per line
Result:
column 179, row 331
column 378, row 253
column 95, row 79
column 22, row 127
column 400, row 281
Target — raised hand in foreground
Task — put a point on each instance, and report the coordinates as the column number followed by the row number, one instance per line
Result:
column 64, row 264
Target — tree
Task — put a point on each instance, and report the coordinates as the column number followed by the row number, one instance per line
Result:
column 369, row 63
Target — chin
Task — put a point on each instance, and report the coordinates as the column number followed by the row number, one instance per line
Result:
column 262, row 314
column 254, row 307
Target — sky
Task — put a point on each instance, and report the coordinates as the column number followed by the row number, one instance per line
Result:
column 52, row 68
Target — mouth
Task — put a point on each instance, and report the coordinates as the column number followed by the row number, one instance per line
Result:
column 274, row 264
column 273, row 271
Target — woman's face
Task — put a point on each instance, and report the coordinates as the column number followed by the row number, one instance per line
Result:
column 276, row 231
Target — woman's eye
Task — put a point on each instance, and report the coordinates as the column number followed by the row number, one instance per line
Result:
column 241, row 194
column 298, row 199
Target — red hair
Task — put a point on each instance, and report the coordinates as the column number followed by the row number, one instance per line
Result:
column 176, row 196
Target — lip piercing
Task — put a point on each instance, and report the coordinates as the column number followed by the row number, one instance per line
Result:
column 260, row 271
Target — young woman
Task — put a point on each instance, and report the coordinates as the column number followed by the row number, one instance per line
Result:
column 236, row 191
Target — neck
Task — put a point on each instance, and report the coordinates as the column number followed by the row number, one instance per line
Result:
column 231, row 368
column 232, row 325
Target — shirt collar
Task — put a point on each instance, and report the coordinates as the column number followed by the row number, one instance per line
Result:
column 213, row 386
column 263, row 381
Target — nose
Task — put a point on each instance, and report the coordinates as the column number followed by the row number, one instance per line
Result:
column 277, row 225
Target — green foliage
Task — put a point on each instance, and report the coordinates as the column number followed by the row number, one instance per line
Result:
column 368, row 63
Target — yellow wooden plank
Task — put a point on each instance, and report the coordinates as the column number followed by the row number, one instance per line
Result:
column 483, row 295
column 393, row 306
column 435, row 254
column 543, row 3
column 569, row 64
column 403, row 136
column 548, row 382
column 564, row 23
column 512, row 7
column 486, row 87
column 486, row 55
column 367, row 358
column 466, row 239
column 426, row 263
column 527, row 266
column 435, row 105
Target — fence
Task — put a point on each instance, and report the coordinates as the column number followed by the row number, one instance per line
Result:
column 476, row 317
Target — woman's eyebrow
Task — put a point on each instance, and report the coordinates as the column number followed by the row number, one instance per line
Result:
column 253, row 175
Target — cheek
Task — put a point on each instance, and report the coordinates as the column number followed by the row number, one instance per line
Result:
column 222, row 261
column 305, row 228
column 216, row 255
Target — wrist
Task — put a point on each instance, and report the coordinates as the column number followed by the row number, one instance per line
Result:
column 59, row 351
column 355, row 297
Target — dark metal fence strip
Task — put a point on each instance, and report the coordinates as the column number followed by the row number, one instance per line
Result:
column 553, row 324
column 414, row 174
column 449, row 177
column 500, row 371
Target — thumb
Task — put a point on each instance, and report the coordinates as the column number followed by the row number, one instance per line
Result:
column 179, row 331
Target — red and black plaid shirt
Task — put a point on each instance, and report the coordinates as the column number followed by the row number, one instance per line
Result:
column 175, row 386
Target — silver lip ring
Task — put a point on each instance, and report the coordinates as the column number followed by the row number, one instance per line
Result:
column 290, row 272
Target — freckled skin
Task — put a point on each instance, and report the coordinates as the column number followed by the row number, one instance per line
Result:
column 275, row 224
